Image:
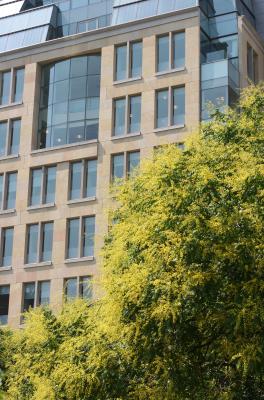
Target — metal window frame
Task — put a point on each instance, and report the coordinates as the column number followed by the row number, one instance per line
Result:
column 2, row 235
column 44, row 181
column 5, row 189
column 170, row 35
column 78, row 285
column 39, row 241
column 129, row 58
column 12, row 84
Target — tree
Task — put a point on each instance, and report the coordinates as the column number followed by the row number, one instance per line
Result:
column 182, row 317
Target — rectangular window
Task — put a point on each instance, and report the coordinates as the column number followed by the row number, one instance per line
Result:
column 127, row 115
column 170, row 107
column 7, row 238
column 80, row 241
column 39, row 243
column 4, row 303
column 43, row 185
column 78, row 287
column 8, row 183
column 83, row 178
column 35, row 294
column 123, row 164
column 252, row 64
column 128, row 61
column 9, row 137
column 171, row 51
column 11, row 86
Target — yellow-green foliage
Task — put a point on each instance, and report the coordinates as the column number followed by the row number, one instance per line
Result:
column 183, row 313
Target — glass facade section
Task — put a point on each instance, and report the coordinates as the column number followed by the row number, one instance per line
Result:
column 43, row 293
column 178, row 50
column 3, row 138
column 5, row 82
column 11, row 190
column 179, row 106
column 136, row 59
column 83, row 177
column 15, row 137
column 7, row 246
column 18, row 85
column 133, row 160
column 128, row 61
column 4, row 303
column 69, row 103
column 90, row 178
column 36, row 183
column 119, row 117
column 32, row 244
column 162, row 108
column 252, row 64
column 85, row 287
column 71, row 286
column 118, row 166
column 134, row 114
column 78, row 287
column 121, row 63
column 163, row 62
column 47, row 242
column 73, row 238
column 88, row 237
column 28, row 296
column 43, row 186
column 1, row 191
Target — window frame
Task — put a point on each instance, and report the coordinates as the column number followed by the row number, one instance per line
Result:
column 129, row 58
column 36, row 296
column 9, row 289
column 170, row 90
column 171, row 52
column 84, row 173
column 2, row 230
column 80, row 256
column 3, row 202
column 12, row 86
column 253, row 59
column 39, row 243
column 9, row 132
column 78, row 284
column 127, row 99
column 126, row 172
column 43, row 188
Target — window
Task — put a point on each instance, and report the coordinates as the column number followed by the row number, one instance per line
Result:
column 83, row 176
column 128, row 61
column 80, row 242
column 123, row 164
column 170, row 107
column 127, row 115
column 4, row 303
column 69, row 101
column 43, row 185
column 11, row 86
column 39, row 243
column 9, row 137
column 6, row 254
column 78, row 287
column 252, row 64
column 8, row 191
column 171, row 51
column 35, row 294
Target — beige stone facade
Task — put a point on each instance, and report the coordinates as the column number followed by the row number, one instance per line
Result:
column 102, row 41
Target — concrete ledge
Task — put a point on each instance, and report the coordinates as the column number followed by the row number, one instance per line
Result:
column 37, row 265
column 127, row 136
column 9, row 211
column 9, row 157
column 170, row 71
column 78, row 201
column 78, row 260
column 2, row 269
column 40, row 206
column 128, row 80
column 168, row 128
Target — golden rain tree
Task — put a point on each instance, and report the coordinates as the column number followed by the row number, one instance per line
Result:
column 182, row 317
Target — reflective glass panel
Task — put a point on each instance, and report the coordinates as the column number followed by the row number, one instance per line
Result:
column 179, row 106
column 133, row 160
column 3, row 138
column 29, row 296
column 88, row 236
column 15, row 136
column 121, row 63
column 4, row 304
column 71, row 288
column 8, row 234
column 117, row 166
column 179, row 50
column 86, row 287
column 135, row 114
column 36, row 182
column 11, row 190
column 19, row 84
column 120, row 116
column 91, row 177
column 162, row 109
column 32, row 244
column 163, row 62
column 76, row 180
column 5, row 87
column 1, row 190
column 50, row 185
column 47, row 241
column 43, row 293
column 73, row 238
column 136, row 59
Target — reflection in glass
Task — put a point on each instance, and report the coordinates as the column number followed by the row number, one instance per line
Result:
column 179, row 50
column 179, row 106
column 5, row 87
column 88, row 236
column 50, row 185
column 29, row 296
column 134, row 114
column 11, row 190
column 7, row 244
column 47, row 240
column 163, row 53
column 121, row 63
column 91, row 177
column 43, row 293
column 85, row 287
column 19, row 84
column 76, row 180
column 70, row 288
column 117, row 166
column 32, row 244
column 133, row 160
column 3, row 138
column 120, row 116
column 136, row 59
column 36, row 181
column 162, row 109
column 73, row 238
column 1, row 190
column 4, row 304
column 15, row 136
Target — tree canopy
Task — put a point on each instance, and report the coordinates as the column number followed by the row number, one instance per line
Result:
column 182, row 317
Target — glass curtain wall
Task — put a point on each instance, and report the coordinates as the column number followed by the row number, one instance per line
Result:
column 69, row 102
